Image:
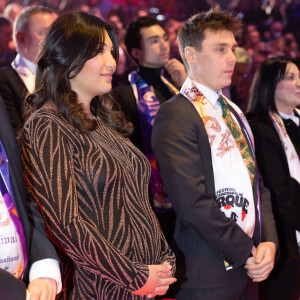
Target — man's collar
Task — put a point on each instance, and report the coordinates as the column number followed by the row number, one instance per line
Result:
column 208, row 93
column 23, row 62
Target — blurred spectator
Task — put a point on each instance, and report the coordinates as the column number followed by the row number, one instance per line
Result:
column 276, row 30
column 3, row 4
column 257, row 59
column 252, row 41
column 291, row 16
column 125, row 63
column 12, row 10
column 241, row 80
column 91, row 10
column 104, row 6
column 290, row 47
column 141, row 12
column 171, row 27
column 6, row 54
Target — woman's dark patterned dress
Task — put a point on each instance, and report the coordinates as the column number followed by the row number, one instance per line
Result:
column 92, row 190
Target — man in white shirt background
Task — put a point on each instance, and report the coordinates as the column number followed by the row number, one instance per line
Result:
column 18, row 79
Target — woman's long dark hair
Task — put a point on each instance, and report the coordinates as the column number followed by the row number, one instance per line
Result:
column 73, row 39
column 262, row 91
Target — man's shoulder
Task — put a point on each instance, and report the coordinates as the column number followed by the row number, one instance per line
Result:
column 8, row 74
column 177, row 102
column 7, row 70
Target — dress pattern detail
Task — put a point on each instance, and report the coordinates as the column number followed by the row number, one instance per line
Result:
column 92, row 191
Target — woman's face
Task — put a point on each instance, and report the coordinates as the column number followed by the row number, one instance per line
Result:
column 96, row 75
column 287, row 93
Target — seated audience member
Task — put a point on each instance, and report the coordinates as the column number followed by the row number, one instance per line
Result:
column 6, row 53
column 28, row 261
column 275, row 123
column 89, row 180
column 18, row 79
column 147, row 88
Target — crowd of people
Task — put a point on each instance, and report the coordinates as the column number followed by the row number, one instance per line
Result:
column 142, row 176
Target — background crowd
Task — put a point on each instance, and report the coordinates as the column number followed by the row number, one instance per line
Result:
column 270, row 29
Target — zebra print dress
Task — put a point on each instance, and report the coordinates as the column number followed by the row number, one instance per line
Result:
column 92, row 191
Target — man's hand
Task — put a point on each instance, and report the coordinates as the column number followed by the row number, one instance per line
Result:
column 261, row 264
column 159, row 280
column 42, row 289
column 177, row 71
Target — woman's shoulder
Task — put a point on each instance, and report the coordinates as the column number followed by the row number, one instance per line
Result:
column 46, row 121
column 263, row 130
column 259, row 121
column 45, row 116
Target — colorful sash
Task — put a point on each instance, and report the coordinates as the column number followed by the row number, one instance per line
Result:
column 8, row 196
column 233, row 188
column 148, row 105
column 290, row 152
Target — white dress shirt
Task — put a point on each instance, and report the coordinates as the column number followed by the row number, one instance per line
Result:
column 26, row 70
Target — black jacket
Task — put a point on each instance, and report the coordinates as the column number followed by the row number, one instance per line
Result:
column 38, row 245
column 203, row 235
column 285, row 191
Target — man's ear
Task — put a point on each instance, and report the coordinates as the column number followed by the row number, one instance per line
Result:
column 21, row 36
column 136, row 53
column 190, row 54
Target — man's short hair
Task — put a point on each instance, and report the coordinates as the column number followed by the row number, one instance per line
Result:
column 133, row 37
column 23, row 19
column 192, row 32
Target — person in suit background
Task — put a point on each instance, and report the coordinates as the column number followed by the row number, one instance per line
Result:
column 18, row 79
column 274, row 119
column 6, row 53
column 156, row 80
column 225, row 231
column 22, row 240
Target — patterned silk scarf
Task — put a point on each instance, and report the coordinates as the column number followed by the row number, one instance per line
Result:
column 148, row 106
column 7, row 194
column 233, row 187
column 290, row 152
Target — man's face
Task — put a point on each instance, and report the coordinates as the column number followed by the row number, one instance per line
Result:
column 37, row 29
column 214, row 63
column 155, row 48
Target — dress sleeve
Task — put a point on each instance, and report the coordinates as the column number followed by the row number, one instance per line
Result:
column 49, row 174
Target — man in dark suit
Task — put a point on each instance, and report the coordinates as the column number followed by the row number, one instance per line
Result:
column 155, row 81
column 42, row 270
column 225, row 232
column 18, row 79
